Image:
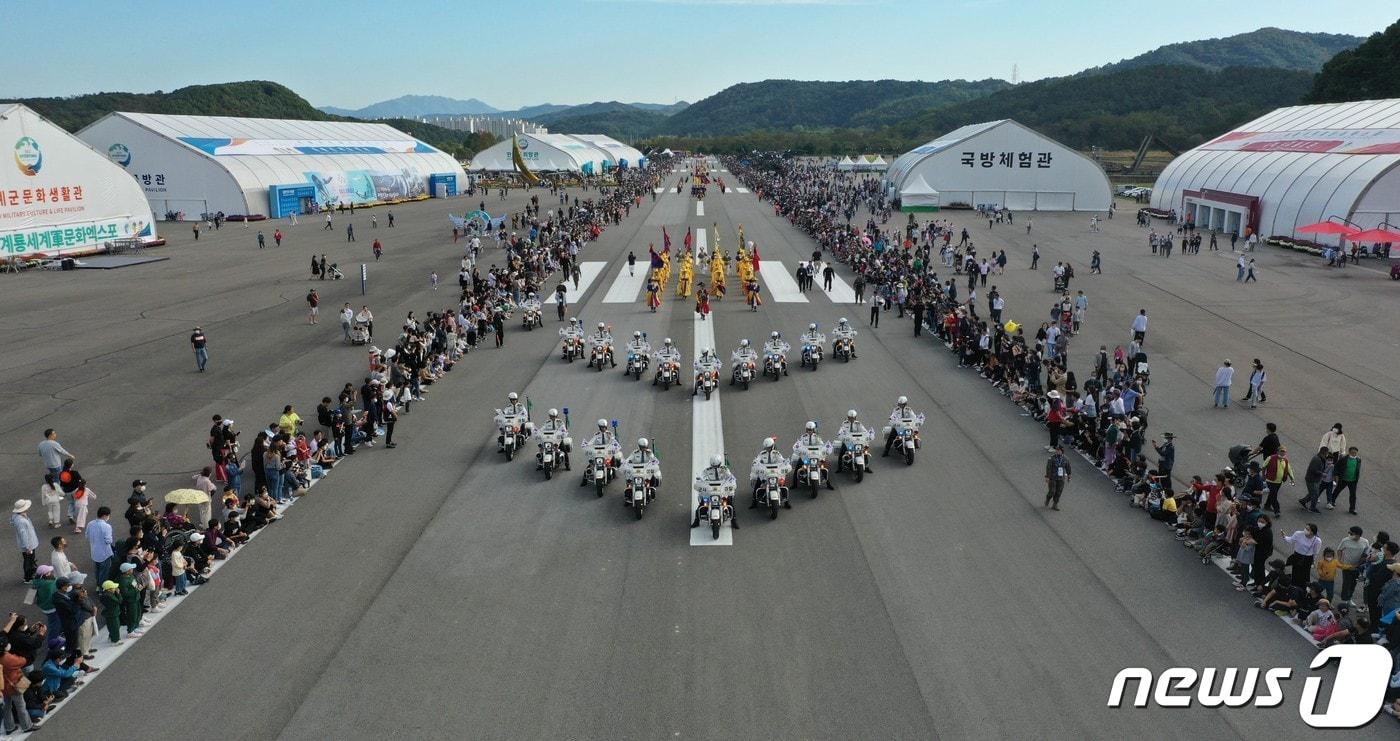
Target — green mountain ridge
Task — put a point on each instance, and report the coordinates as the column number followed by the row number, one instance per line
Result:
column 1370, row 71
column 1276, row 48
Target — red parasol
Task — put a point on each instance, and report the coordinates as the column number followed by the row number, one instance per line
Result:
column 1327, row 227
column 1375, row 235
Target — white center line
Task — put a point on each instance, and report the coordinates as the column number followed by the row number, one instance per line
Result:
column 588, row 271
column 706, row 439
column 702, row 244
column 699, row 208
column 741, row 190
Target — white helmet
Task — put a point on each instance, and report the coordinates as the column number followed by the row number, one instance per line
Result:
column 768, row 443
column 601, row 325
column 744, row 342
column 812, row 326
column 667, row 342
column 851, row 414
column 774, row 335
column 602, row 423
column 642, row 442
column 637, row 335
column 531, row 294
column 842, row 321
column 554, row 412
column 573, row 320
column 513, row 396
column 902, row 400
column 716, row 460
column 811, row 426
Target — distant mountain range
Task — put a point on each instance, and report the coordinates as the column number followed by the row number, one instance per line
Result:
column 1276, row 48
column 411, row 106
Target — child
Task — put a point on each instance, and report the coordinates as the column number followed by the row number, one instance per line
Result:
column 1327, row 571
column 433, row 278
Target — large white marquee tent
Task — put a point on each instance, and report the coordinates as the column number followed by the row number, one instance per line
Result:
column 259, row 167
column 59, row 196
column 1003, row 164
column 554, row 153
column 1292, row 167
column 619, row 154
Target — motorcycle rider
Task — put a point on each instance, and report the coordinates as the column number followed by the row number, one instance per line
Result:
column 776, row 346
column 531, row 307
column 901, row 416
column 767, row 459
column 745, row 354
column 852, row 431
column 513, row 411
column 706, row 362
column 554, row 429
column 604, row 337
column 643, row 456
column 844, row 331
column 814, row 338
column 715, row 473
column 810, row 444
column 668, row 353
column 641, row 348
column 574, row 332
column 603, row 440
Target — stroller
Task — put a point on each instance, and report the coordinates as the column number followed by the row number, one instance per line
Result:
column 359, row 333
column 334, row 270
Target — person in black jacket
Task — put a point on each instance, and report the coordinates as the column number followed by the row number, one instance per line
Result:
column 1377, row 574
column 1313, row 479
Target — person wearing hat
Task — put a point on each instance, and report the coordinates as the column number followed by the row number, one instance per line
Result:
column 60, row 676
column 131, row 598
column 1054, row 419
column 25, row 537
column 112, row 610
column 201, row 353
column 1166, row 455
column 1057, row 473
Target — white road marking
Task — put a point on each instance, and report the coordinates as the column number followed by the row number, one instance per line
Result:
column 658, row 190
column 841, row 291
column 625, row 289
column 782, row 287
column 702, row 244
column 706, row 439
column 741, row 190
column 588, row 272
column 699, row 208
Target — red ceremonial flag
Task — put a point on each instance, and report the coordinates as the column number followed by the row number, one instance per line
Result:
column 665, row 239
column 755, row 259
column 687, row 237
column 656, row 262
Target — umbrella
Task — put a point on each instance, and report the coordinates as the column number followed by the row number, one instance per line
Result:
column 187, row 496
column 1375, row 235
column 1327, row 227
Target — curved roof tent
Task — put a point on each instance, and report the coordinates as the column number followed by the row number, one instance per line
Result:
column 1291, row 167
column 543, row 153
column 618, row 153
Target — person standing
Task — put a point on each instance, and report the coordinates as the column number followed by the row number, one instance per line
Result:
column 1277, row 470
column 323, row 267
column 828, row 276
column 349, row 231
column 347, row 319
column 390, row 415
column 262, row 241
column 196, row 231
column 16, row 715
column 378, row 249
column 631, row 263
column 1166, row 457
column 201, row 351
column 391, row 219
column 1249, row 272
column 25, row 537
column 1140, row 327
column 99, row 537
column 1240, row 267
column 859, row 286
column 1035, row 256
column 1348, row 476
column 53, row 454
column 1224, row 377
column 313, row 303
column 875, row 302
column 1057, row 473
column 498, row 327
column 1096, row 263
column 1377, row 574
column 1351, row 558
column 277, row 237
column 1257, row 377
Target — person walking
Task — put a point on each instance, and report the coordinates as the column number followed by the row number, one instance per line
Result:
column 201, row 351
column 1312, row 479
column 313, row 303
column 828, row 276
column 1057, row 474
column 1035, row 256
column 349, row 232
column 390, row 415
column 315, row 268
column 1351, row 559
column 631, row 263
column 859, row 286
column 277, row 237
column 1277, row 470
column 378, row 249
column 1249, row 274
column 262, row 242
column 323, row 266
column 498, row 327
column 99, row 538
column 1224, row 376
column 347, row 320
column 1096, row 263
column 328, row 225
column 1257, row 377
column 390, row 215
column 1140, row 327
column 875, row 303
column 1348, row 475
column 25, row 537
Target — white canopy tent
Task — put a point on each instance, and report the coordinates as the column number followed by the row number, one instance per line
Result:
column 543, row 153
column 846, row 164
column 918, row 195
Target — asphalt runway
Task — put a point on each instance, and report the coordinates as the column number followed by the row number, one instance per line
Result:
column 437, row 590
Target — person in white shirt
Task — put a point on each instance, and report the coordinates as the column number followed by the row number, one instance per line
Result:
column 1140, row 327
column 1224, row 376
column 51, row 496
column 62, row 567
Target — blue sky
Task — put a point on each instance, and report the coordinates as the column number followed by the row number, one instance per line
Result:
column 513, row 53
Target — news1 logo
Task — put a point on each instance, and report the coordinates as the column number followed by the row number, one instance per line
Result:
column 1363, row 673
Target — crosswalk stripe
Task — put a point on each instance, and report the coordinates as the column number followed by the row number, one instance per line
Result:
column 588, row 272
column 699, row 208
column 782, row 287
column 626, row 289
column 841, row 291
column 702, row 243
column 741, row 190
column 658, row 190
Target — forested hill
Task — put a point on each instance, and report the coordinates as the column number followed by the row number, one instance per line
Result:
column 1267, row 47
column 1368, row 72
